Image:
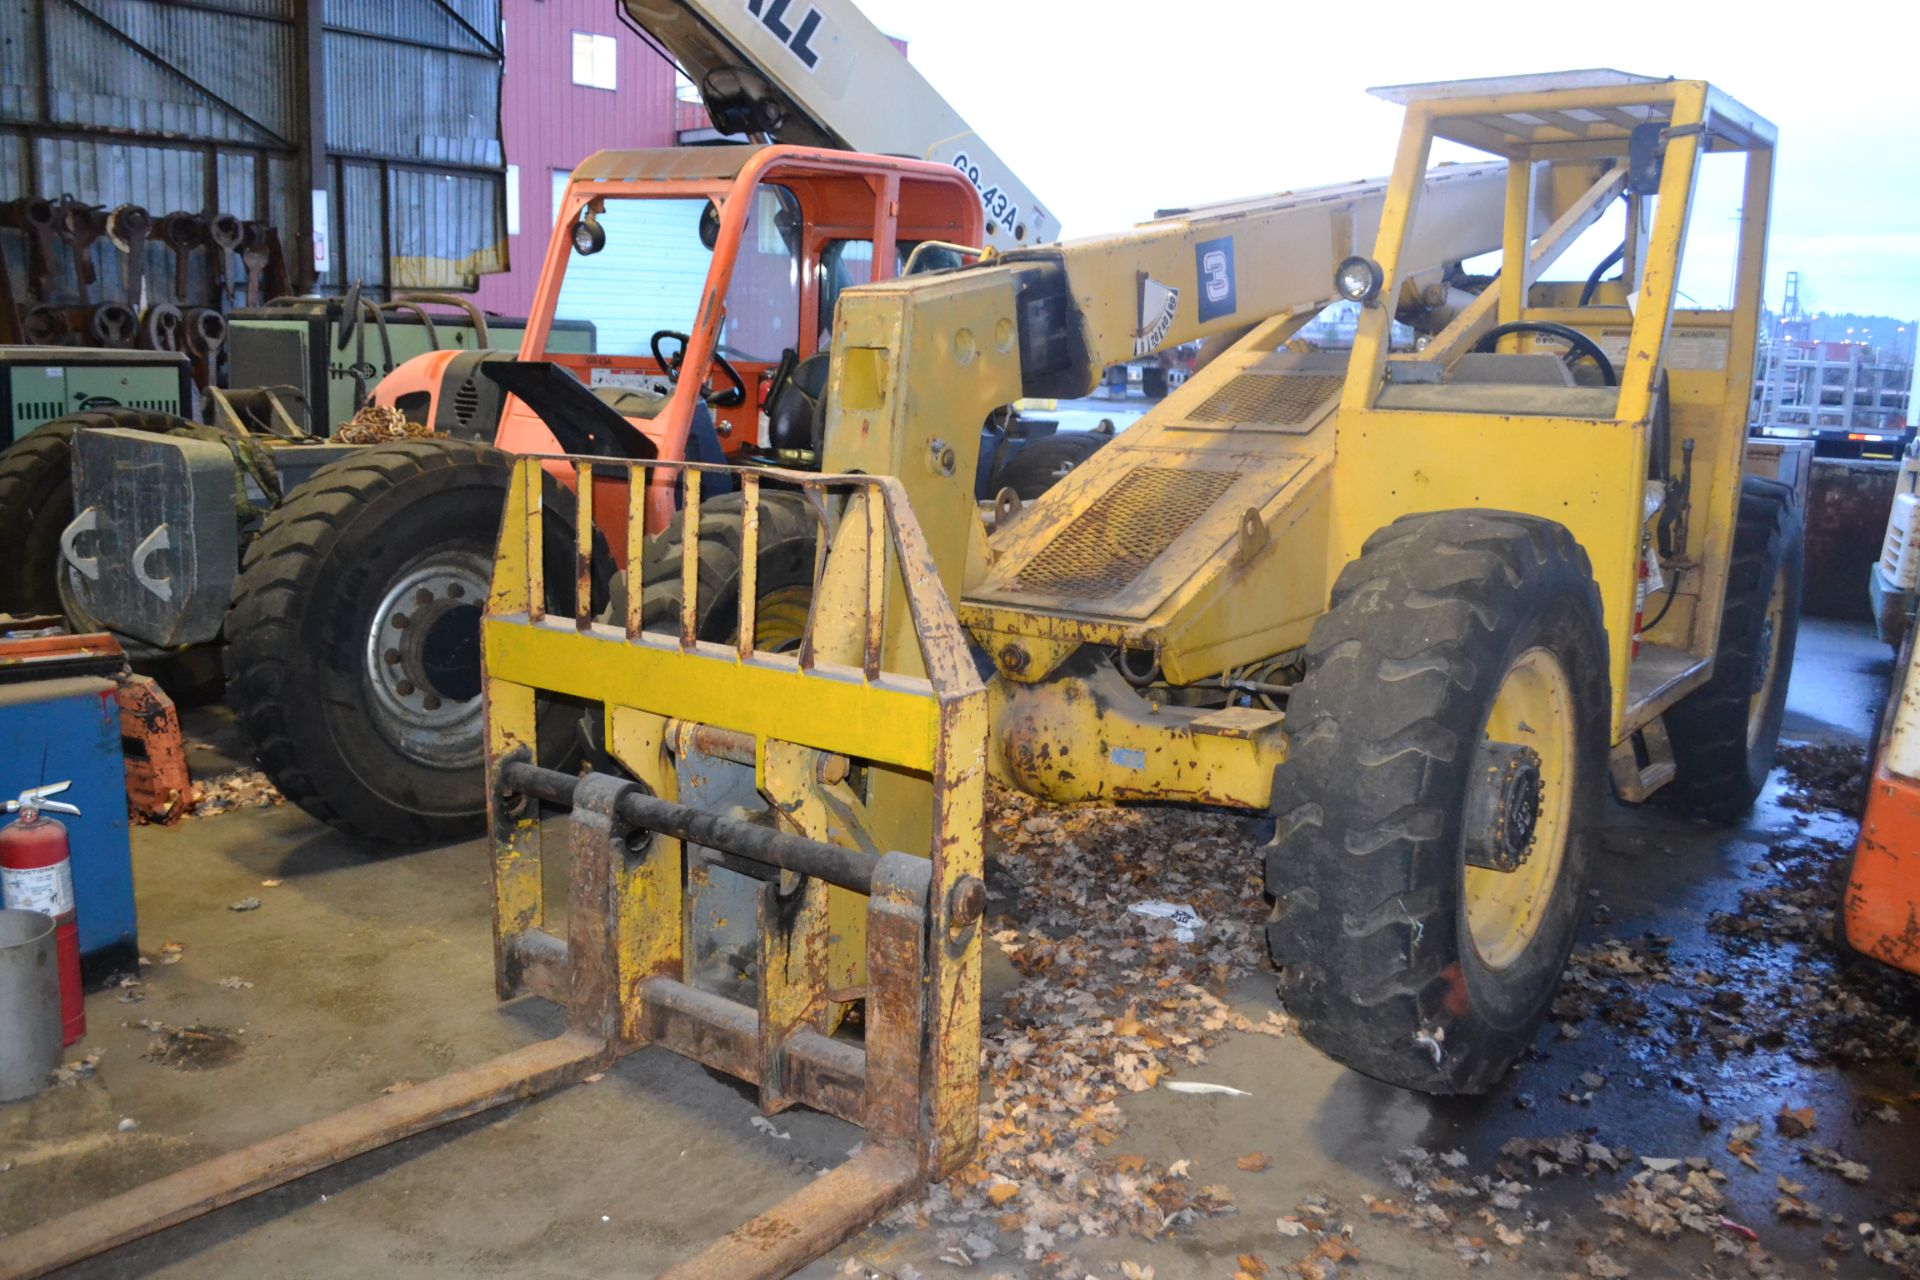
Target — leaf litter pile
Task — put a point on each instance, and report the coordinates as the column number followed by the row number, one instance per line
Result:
column 1773, row 984
column 1110, row 1001
column 245, row 788
column 1118, row 995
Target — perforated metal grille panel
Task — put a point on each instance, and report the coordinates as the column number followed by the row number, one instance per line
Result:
column 1284, row 399
column 1126, row 529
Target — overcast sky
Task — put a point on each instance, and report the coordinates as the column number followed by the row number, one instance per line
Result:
column 1111, row 110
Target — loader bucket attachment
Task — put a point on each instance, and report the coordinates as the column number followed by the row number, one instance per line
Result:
column 785, row 846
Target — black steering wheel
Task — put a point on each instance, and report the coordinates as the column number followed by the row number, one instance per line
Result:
column 731, row 398
column 1584, row 348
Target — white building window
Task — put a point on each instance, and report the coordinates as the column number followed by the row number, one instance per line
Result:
column 513, row 199
column 594, row 58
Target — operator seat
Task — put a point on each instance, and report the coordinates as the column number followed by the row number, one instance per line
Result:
column 794, row 415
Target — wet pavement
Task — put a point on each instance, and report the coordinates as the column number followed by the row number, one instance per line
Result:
column 366, row 972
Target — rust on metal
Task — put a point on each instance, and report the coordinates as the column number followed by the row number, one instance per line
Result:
column 690, row 560
column 637, row 481
column 749, row 562
column 808, row 1223
column 583, row 545
column 158, row 786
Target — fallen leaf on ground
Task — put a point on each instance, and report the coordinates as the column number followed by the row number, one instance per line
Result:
column 1794, row 1122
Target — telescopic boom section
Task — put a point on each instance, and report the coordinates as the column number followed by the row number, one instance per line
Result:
column 1046, row 322
column 1220, row 268
column 818, row 73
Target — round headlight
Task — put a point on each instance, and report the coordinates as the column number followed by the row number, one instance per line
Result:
column 1358, row 280
column 589, row 237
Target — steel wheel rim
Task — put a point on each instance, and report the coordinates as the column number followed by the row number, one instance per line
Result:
column 423, row 659
column 1505, row 909
column 1764, row 678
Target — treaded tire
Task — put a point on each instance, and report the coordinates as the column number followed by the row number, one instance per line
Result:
column 1366, row 869
column 1718, row 773
column 304, row 609
column 36, row 501
column 1046, row 461
column 787, row 538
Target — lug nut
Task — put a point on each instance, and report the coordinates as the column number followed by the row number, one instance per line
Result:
column 431, row 702
column 456, row 591
column 423, row 596
column 400, row 620
column 391, row 657
column 404, row 688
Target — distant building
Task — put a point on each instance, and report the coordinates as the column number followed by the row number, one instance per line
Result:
column 578, row 80
column 1842, row 380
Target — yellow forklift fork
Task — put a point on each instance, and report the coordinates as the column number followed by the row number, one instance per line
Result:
column 859, row 870
column 830, row 797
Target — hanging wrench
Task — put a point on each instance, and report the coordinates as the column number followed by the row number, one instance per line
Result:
column 183, row 232
column 112, row 324
column 203, row 331
column 224, row 235
column 129, row 226
column 256, row 250
column 160, row 327
column 35, row 217
column 80, row 225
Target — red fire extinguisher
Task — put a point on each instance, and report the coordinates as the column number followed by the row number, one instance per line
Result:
column 36, row 875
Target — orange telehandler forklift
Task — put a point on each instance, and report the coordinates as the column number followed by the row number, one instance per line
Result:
column 352, row 618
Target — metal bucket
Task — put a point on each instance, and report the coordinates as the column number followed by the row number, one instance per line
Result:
column 29, row 1003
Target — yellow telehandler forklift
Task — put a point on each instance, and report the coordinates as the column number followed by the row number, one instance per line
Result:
column 1402, row 599
column 1396, row 599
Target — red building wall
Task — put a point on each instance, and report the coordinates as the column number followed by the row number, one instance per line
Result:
column 550, row 124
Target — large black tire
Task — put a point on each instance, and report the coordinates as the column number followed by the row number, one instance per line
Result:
column 383, row 740
column 36, row 502
column 784, row 578
column 1724, row 733
column 1046, row 461
column 1388, row 730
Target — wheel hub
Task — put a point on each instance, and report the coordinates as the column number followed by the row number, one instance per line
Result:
column 423, row 659
column 1503, row 806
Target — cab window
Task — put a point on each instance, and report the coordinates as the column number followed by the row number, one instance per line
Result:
column 653, row 270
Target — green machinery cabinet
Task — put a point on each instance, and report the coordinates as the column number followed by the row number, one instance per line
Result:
column 296, row 343
column 39, row 384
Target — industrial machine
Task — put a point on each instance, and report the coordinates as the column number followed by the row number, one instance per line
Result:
column 299, row 367
column 345, row 578
column 1880, row 909
column 1421, row 605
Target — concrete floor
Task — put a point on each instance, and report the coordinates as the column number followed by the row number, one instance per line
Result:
column 367, row 971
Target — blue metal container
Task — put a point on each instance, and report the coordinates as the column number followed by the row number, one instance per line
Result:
column 69, row 729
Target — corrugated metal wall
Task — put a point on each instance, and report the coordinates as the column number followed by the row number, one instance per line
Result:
column 550, row 123
column 199, row 106
column 413, row 117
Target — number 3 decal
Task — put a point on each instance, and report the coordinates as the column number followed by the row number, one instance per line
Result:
column 1219, row 283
